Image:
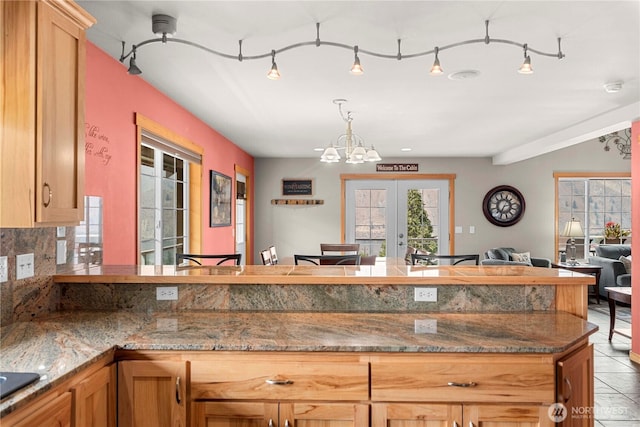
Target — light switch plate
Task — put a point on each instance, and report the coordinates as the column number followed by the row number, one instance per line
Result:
column 4, row 267
column 24, row 266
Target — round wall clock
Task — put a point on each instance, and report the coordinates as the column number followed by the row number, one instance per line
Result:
column 503, row 205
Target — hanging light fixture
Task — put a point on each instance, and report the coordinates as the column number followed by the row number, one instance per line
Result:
column 352, row 144
column 356, row 68
column 436, row 69
column 525, row 68
column 133, row 68
column 165, row 26
column 273, row 73
column 622, row 141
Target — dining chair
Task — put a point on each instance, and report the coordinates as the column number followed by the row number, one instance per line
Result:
column 236, row 258
column 339, row 248
column 435, row 259
column 274, row 254
column 266, row 257
column 328, row 259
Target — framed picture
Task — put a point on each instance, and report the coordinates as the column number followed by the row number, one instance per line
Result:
column 220, row 212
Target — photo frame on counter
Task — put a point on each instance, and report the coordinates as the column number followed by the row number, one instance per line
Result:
column 220, row 204
column 297, row 187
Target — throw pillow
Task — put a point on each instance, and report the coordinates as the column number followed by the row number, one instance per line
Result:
column 626, row 261
column 521, row 257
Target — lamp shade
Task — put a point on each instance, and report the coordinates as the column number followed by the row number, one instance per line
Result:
column 573, row 229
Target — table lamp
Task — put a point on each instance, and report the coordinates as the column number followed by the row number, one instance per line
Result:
column 573, row 229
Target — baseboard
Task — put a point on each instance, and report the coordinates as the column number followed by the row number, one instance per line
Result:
column 634, row 357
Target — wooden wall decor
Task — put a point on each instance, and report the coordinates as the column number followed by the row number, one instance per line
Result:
column 297, row 202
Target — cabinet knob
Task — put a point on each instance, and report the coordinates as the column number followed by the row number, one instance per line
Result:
column 48, row 193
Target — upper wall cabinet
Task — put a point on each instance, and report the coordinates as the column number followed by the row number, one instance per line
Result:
column 42, row 110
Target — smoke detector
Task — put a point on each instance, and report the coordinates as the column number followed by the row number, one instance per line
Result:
column 163, row 25
column 613, row 87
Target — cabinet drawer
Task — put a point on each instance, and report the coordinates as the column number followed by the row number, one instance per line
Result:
column 470, row 380
column 277, row 378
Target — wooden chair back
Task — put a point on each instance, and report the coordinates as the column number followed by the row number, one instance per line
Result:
column 339, row 248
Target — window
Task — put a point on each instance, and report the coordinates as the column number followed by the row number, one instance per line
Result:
column 594, row 201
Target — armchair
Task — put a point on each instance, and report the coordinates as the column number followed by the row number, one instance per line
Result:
column 613, row 272
column 504, row 254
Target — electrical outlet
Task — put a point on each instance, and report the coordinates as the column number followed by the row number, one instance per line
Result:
column 24, row 266
column 425, row 326
column 167, row 293
column 426, row 294
column 4, row 267
column 61, row 251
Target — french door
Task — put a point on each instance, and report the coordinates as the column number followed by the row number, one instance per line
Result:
column 387, row 216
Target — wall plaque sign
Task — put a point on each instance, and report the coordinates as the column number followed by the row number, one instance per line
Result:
column 396, row 167
column 297, row 187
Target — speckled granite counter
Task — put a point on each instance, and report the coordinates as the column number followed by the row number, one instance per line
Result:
column 62, row 344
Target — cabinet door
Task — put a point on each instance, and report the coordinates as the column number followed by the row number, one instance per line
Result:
column 95, row 399
column 324, row 414
column 152, row 393
column 507, row 416
column 59, row 191
column 415, row 415
column 233, row 414
column 56, row 413
column 575, row 386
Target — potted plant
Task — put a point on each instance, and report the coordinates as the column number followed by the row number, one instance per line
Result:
column 613, row 233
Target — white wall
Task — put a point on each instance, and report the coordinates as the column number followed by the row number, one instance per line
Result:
column 300, row 229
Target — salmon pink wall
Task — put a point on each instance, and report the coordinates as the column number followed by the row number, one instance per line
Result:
column 112, row 99
column 635, row 241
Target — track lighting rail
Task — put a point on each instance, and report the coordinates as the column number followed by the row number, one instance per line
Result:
column 317, row 42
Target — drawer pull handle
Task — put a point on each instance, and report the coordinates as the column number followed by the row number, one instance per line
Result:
column 469, row 384
column 286, row 423
column 279, row 382
column 47, row 187
column 270, row 422
column 455, row 424
column 178, row 399
column 570, row 389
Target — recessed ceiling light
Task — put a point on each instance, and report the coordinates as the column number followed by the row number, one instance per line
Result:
column 405, row 149
column 464, row 74
column 613, row 87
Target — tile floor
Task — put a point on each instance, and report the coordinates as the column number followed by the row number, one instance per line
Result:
column 617, row 379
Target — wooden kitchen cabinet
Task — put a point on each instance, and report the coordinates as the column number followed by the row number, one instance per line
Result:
column 95, row 399
column 261, row 414
column 279, row 390
column 469, row 415
column 152, row 393
column 42, row 152
column 50, row 413
column 575, row 387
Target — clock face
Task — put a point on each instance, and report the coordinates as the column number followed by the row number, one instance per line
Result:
column 503, row 205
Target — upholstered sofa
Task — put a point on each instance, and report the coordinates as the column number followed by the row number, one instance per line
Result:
column 505, row 256
column 613, row 271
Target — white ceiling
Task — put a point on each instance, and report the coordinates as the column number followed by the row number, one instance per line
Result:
column 396, row 104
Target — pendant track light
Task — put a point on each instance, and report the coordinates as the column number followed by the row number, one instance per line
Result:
column 165, row 25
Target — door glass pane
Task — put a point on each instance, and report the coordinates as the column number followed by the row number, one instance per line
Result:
column 147, row 191
column 168, row 193
column 147, row 224
column 420, row 230
column 168, row 166
column 168, row 223
column 370, row 221
column 147, row 160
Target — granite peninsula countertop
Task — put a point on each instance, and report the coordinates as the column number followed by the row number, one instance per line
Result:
column 62, row 344
column 390, row 272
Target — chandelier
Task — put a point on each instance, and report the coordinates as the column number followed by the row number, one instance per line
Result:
column 164, row 27
column 352, row 144
column 622, row 141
